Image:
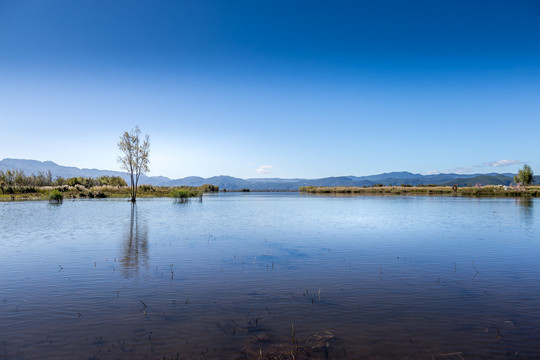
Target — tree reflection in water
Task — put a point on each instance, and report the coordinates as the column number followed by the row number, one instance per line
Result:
column 135, row 245
column 526, row 207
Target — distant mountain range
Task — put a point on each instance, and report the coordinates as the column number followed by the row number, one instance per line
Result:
column 231, row 183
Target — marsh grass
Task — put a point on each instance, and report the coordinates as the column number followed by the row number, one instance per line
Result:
column 182, row 194
column 491, row 190
column 15, row 185
column 79, row 191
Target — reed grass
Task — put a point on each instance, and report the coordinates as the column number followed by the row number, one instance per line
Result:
column 490, row 190
column 79, row 191
column 184, row 193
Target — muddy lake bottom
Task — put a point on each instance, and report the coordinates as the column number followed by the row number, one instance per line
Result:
column 271, row 276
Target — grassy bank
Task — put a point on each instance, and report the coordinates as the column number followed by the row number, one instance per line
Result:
column 98, row 192
column 494, row 191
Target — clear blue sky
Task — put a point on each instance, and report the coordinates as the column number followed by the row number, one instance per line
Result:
column 274, row 88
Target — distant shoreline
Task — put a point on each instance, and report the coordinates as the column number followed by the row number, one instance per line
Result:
column 474, row 191
column 148, row 191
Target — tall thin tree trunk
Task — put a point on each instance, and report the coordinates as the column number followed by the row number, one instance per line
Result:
column 133, row 194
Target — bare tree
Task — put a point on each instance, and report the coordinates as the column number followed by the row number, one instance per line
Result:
column 135, row 157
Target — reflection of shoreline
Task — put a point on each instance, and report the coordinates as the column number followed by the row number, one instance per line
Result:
column 526, row 209
column 135, row 245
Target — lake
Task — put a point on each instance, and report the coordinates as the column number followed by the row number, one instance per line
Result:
column 271, row 275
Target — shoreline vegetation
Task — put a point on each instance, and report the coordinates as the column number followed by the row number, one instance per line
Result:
column 183, row 193
column 478, row 190
column 15, row 185
column 42, row 187
column 63, row 192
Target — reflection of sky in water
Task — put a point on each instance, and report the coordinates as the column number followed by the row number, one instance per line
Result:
column 397, row 275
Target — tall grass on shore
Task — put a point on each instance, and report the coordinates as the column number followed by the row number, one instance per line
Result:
column 79, row 191
column 490, row 190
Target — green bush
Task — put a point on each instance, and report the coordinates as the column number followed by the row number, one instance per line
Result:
column 146, row 188
column 111, row 180
column 27, row 189
column 180, row 194
column 74, row 181
column 99, row 194
column 208, row 188
column 56, row 196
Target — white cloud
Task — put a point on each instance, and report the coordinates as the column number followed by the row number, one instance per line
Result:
column 503, row 163
column 264, row 169
column 433, row 172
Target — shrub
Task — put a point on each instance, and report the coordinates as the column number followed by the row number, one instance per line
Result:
column 26, row 189
column 111, row 180
column 208, row 188
column 74, row 181
column 56, row 196
column 62, row 188
column 99, row 194
column 146, row 188
column 79, row 187
column 59, row 181
column 183, row 194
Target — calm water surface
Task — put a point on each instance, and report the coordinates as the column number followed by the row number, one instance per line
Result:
column 266, row 275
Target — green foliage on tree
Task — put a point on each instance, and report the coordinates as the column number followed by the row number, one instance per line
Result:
column 91, row 182
column 12, row 181
column 111, row 180
column 208, row 188
column 524, row 176
column 18, row 178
